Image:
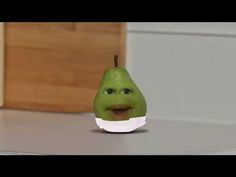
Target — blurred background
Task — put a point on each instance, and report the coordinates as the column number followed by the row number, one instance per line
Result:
column 185, row 70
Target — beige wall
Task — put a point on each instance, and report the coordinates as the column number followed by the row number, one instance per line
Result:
column 185, row 70
column 1, row 63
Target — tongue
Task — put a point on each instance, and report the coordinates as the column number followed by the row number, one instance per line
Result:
column 120, row 114
column 118, row 111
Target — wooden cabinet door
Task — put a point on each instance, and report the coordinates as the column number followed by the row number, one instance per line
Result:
column 58, row 66
column 1, row 63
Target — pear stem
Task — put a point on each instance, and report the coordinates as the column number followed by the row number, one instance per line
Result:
column 116, row 60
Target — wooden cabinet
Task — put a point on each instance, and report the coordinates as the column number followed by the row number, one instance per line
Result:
column 1, row 62
column 58, row 66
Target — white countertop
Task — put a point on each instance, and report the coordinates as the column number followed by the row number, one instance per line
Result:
column 59, row 133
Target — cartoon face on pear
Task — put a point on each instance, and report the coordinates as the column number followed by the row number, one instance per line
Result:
column 118, row 97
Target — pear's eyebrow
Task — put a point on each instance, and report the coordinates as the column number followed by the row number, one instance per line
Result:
column 109, row 88
column 106, row 88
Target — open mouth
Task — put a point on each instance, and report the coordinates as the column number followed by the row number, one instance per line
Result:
column 119, row 112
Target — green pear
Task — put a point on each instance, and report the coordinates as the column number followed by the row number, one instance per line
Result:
column 118, row 97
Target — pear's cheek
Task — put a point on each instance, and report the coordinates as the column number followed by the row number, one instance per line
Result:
column 138, row 111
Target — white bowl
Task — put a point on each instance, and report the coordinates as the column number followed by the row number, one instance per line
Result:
column 121, row 126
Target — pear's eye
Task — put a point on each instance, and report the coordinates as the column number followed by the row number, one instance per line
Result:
column 109, row 91
column 126, row 91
